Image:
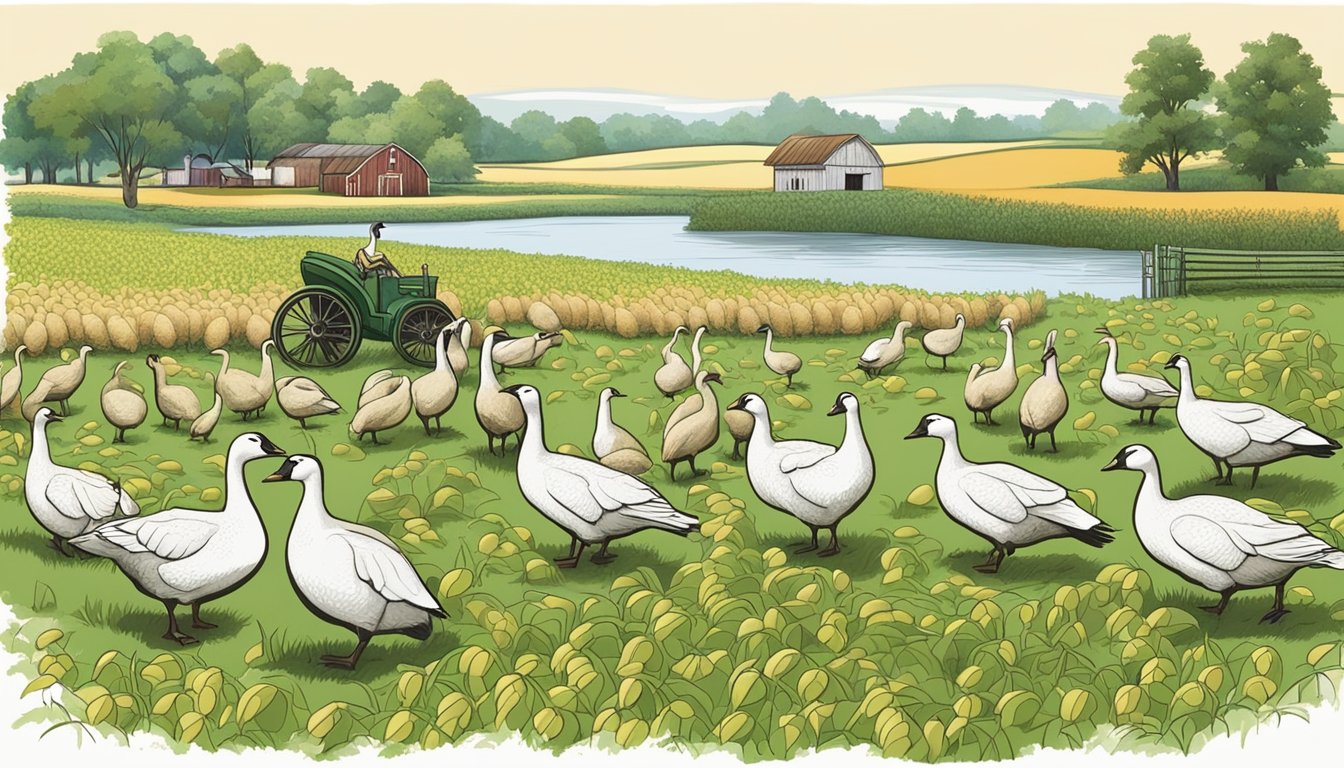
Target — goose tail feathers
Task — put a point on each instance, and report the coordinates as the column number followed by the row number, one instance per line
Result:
column 1097, row 536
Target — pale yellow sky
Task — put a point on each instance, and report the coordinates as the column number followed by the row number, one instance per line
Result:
column 701, row 51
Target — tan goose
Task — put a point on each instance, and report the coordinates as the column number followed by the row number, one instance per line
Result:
column 884, row 353
column 499, row 414
column 782, row 363
column 12, row 382
column 944, row 342
column 377, row 384
column 123, row 402
column 175, row 402
column 300, row 398
column 693, row 427
column 524, row 351
column 203, row 425
column 614, row 446
column 436, row 391
column 1045, row 401
column 987, row 390
column 674, row 375
column 243, row 392
column 380, row 414
column 740, row 425
column 458, row 344
column 63, row 380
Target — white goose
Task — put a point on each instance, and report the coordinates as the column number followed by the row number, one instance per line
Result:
column 613, row 445
column 184, row 556
column 817, row 483
column 593, row 503
column 1220, row 544
column 349, row 574
column 1005, row 504
column 884, row 353
column 1135, row 391
column 674, row 375
column 67, row 501
column 1242, row 434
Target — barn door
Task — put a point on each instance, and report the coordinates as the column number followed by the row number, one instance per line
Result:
column 352, row 186
column 854, row 181
column 390, row 184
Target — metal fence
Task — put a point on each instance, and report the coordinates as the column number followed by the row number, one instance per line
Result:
column 1172, row 270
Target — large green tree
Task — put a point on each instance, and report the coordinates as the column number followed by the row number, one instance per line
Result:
column 1168, row 79
column 1277, row 110
column 447, row 159
column 122, row 95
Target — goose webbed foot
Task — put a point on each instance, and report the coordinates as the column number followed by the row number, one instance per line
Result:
column 575, row 552
column 197, row 622
column 173, row 633
column 1217, row 610
column 602, row 556
column 812, row 547
column 992, row 564
column 831, row 549
column 1273, row 616
column 349, row 662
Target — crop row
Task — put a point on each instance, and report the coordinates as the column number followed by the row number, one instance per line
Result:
column 933, row 214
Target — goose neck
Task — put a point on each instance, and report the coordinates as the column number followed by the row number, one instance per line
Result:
column 695, row 349
column 604, row 422
column 1009, row 359
column 372, row 246
column 1187, row 394
column 950, row 455
column 40, row 452
column 312, row 505
column 853, row 430
column 760, row 433
column 1052, row 369
column 769, row 340
column 1150, row 488
column 488, row 380
column 441, row 353
column 1112, row 356
column 223, row 364
column 236, row 493
column 667, row 348
column 534, row 433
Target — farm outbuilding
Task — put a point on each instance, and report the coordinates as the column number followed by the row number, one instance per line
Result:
column 201, row 171
column 819, row 163
column 353, row 170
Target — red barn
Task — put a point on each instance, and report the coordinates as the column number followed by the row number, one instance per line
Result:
column 353, row 170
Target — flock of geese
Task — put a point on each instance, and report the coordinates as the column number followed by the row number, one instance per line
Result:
column 355, row 577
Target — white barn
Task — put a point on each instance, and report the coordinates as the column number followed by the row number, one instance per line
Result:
column 819, row 163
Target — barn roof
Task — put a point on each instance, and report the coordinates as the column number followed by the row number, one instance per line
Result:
column 343, row 165
column 810, row 150
column 329, row 150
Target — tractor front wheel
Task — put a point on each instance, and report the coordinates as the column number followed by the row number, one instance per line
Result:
column 418, row 331
column 316, row 328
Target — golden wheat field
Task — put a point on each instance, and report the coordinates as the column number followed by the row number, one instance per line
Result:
column 274, row 198
column 730, row 166
column 1205, row 201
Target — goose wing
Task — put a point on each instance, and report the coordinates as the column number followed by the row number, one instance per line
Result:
column 874, row 351
column 801, row 466
column 77, row 493
column 1155, row 385
column 387, row 571
column 591, row 490
column 802, row 454
column 170, row 534
column 692, row 404
column 1227, row 543
column 303, row 392
column 1011, row 493
column 1262, row 423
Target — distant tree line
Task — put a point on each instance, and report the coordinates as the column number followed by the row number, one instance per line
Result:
column 1273, row 112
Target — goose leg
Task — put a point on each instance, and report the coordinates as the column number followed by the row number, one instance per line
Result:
column 696, row 472
column 374, row 436
column 672, row 470
column 1227, row 479
column 120, row 437
column 438, row 425
column 197, row 621
column 173, row 632
column 808, row 547
column 834, row 546
column 1278, row 611
column 1255, row 475
column 736, row 456
column 424, row 420
column 575, row 551
column 58, row 544
column 1218, row 467
column 1054, row 448
column 302, row 423
column 349, row 662
column 1218, row 609
column 991, row 565
column 602, row 557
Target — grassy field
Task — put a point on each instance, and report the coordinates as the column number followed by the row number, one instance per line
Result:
column 726, row 637
column 1220, row 178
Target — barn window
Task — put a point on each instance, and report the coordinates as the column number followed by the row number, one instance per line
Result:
column 392, row 158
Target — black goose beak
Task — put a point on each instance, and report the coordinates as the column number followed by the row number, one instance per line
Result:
column 1049, row 353
column 740, row 404
column 1172, row 362
column 714, row 377
column 270, row 448
column 763, row 329
column 1103, row 330
column 920, row 431
column 1117, row 463
column 616, row 392
column 838, row 408
column 513, row 389
column 283, row 473
column 53, row 417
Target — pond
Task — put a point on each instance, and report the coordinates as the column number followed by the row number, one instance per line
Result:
column 914, row 262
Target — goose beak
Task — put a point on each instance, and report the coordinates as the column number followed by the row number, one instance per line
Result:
column 714, row 377
column 513, row 389
column 763, row 329
column 1049, row 353
column 52, row 417
column 1103, row 330
column 920, row 431
column 740, row 404
column 283, row 473
column 1172, row 362
column 1117, row 463
column 270, row 448
column 836, row 409
column 617, row 393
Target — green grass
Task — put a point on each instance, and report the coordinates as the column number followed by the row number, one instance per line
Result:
column 704, row 626
column 1220, row 178
column 942, row 215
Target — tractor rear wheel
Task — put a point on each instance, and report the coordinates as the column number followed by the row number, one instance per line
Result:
column 418, row 331
column 316, row 328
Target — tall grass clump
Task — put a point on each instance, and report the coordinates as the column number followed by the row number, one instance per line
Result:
column 959, row 217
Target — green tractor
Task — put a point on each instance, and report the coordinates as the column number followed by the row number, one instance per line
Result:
column 322, row 324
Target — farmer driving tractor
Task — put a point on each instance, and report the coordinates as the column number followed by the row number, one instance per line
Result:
column 368, row 259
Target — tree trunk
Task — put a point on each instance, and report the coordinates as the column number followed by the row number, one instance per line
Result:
column 130, row 187
column 1174, row 178
column 27, row 173
column 88, row 161
column 1271, row 183
column 77, row 181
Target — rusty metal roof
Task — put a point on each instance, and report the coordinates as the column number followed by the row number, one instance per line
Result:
column 329, row 150
column 809, row 150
